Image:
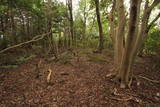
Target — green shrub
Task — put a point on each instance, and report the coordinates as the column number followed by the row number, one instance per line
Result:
column 5, row 41
column 8, row 66
column 152, row 44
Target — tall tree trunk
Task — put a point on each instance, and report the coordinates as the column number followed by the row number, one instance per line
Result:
column 127, row 58
column 71, row 19
column 125, row 50
column 120, row 38
column 101, row 37
column 28, row 26
column 13, row 26
column 112, row 23
column 23, row 25
column 135, row 38
column 84, row 21
column 112, row 30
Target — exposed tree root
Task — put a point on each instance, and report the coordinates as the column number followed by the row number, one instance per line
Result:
column 154, row 81
column 124, row 99
column 117, row 79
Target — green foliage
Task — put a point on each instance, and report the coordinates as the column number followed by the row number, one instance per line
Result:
column 8, row 67
column 35, row 47
column 152, row 44
column 3, row 8
column 105, row 3
column 5, row 41
column 31, row 17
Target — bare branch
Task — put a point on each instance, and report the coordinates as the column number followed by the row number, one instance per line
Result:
column 34, row 39
column 153, row 21
column 155, row 3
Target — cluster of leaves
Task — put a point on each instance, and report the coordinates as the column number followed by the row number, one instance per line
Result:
column 152, row 44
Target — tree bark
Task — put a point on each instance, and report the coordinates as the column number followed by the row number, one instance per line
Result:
column 112, row 23
column 71, row 19
column 112, row 30
column 84, row 21
column 120, row 34
column 101, row 37
column 135, row 38
column 13, row 26
column 127, row 58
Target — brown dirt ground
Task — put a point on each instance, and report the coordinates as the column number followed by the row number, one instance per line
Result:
column 80, row 83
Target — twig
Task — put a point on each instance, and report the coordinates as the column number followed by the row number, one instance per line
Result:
column 34, row 39
column 154, row 81
column 119, row 99
column 127, row 99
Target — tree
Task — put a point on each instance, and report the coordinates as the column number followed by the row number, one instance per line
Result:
column 83, row 10
column 127, row 42
column 21, row 20
column 101, row 37
column 70, row 8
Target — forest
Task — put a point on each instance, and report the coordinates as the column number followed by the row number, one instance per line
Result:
column 79, row 53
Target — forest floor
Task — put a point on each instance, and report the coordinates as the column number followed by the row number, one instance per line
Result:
column 78, row 81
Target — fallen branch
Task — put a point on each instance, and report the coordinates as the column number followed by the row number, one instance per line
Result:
column 127, row 99
column 122, row 99
column 154, row 81
column 34, row 39
column 130, row 97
